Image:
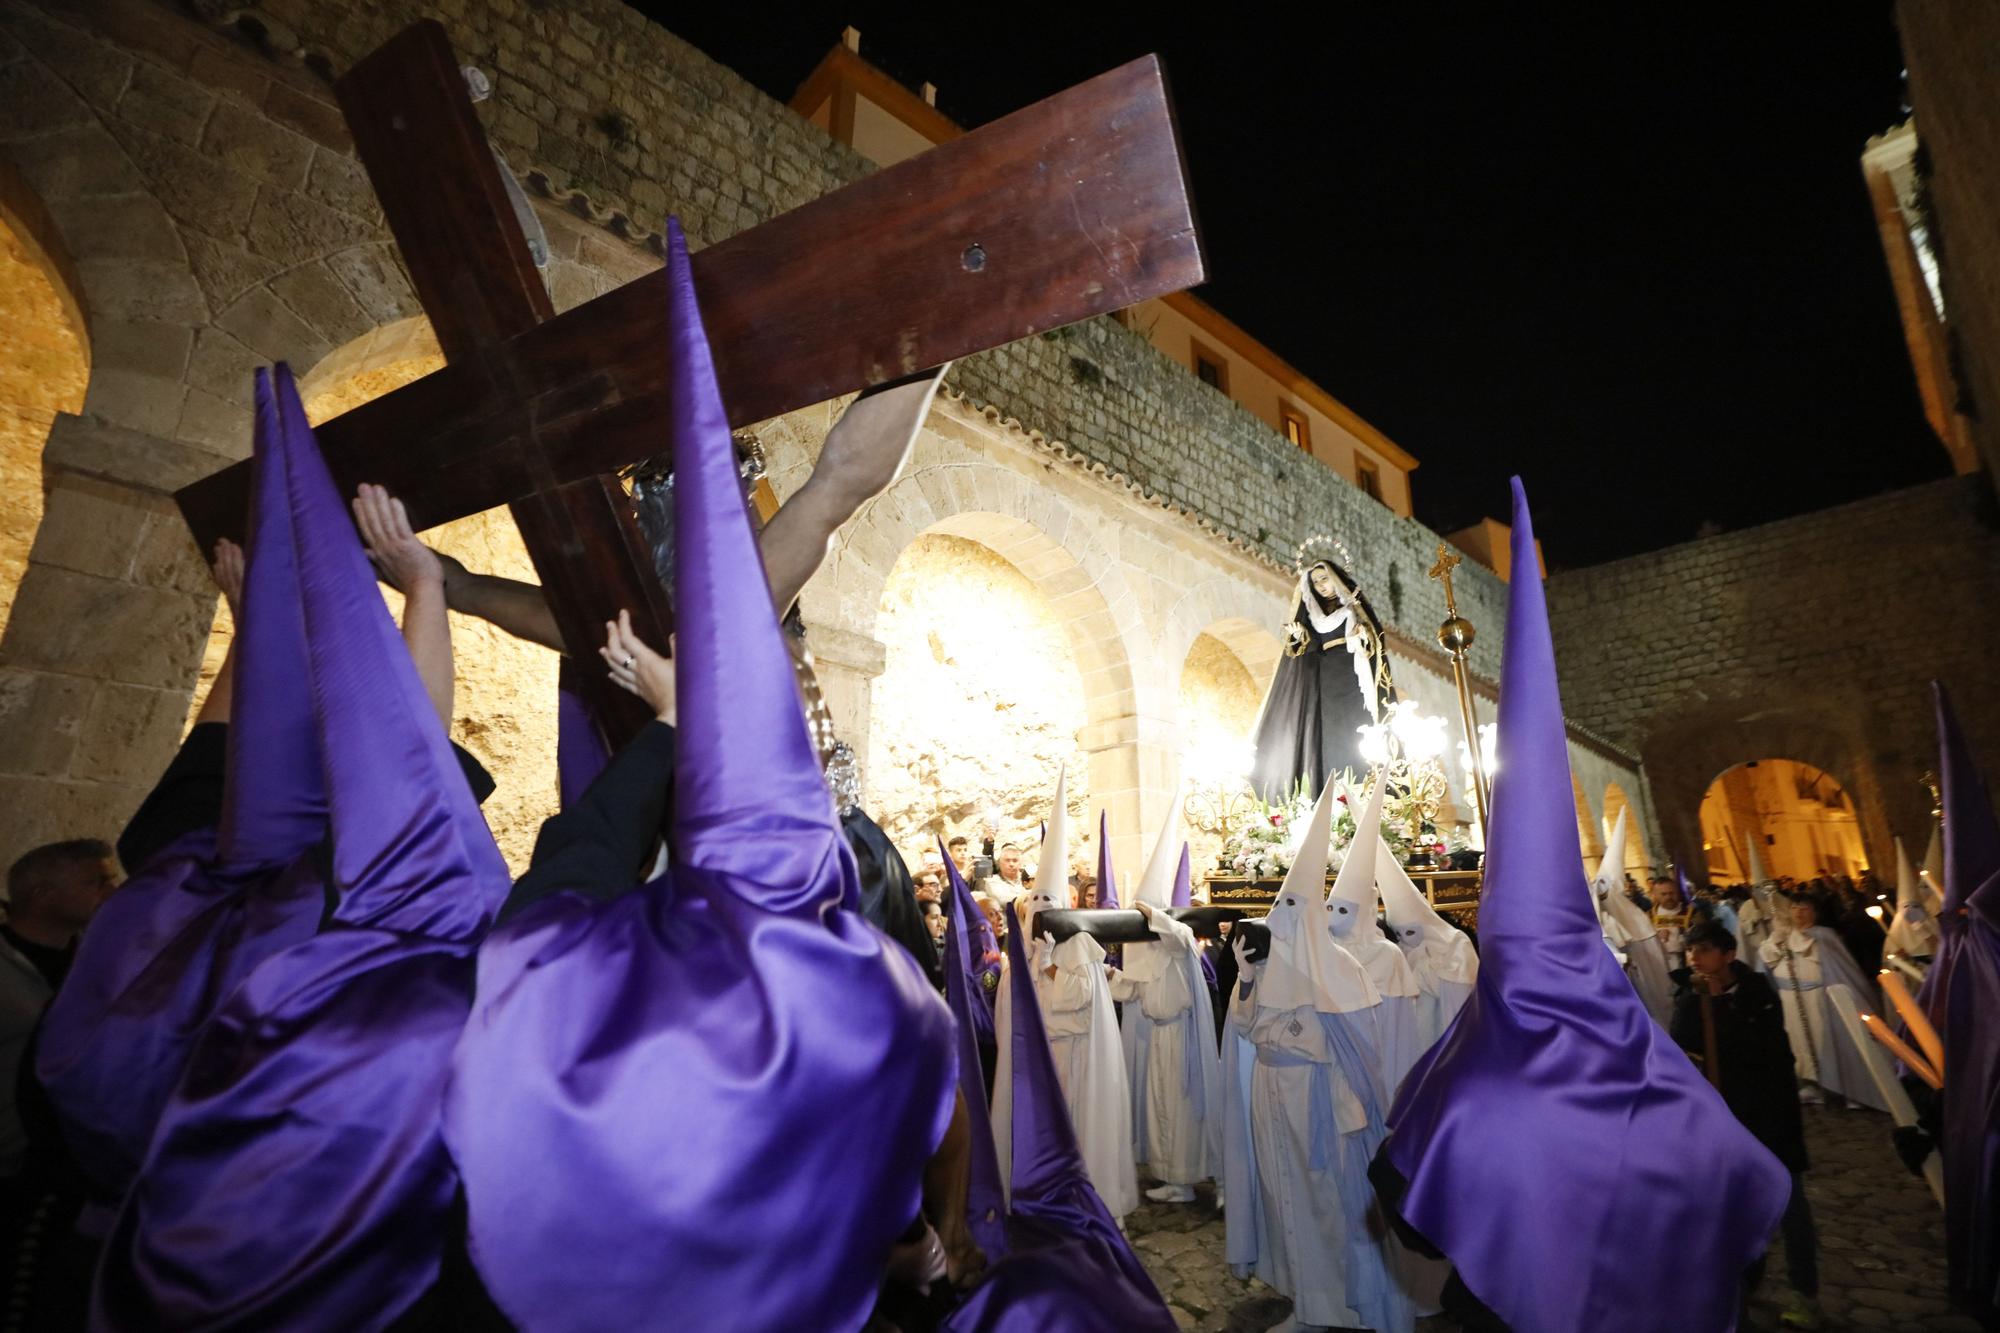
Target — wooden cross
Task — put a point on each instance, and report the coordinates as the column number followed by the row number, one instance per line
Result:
column 1074, row 207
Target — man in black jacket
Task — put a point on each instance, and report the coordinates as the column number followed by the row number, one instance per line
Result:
column 1730, row 1021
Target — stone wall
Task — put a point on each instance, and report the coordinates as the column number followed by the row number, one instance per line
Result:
column 1812, row 639
column 1949, row 47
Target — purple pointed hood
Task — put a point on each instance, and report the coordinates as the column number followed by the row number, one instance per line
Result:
column 1107, row 882
column 744, row 754
column 970, row 949
column 634, row 1068
column 1971, row 835
column 411, row 852
column 1555, row 1115
column 201, row 914
column 332, row 1055
column 985, row 1199
column 274, row 795
column 1069, row 1266
column 1184, row 880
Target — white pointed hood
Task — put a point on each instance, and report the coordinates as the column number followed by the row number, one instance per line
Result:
column 1758, row 874
column 1307, row 969
column 1437, row 950
column 1145, row 961
column 1052, row 871
column 1913, row 930
column 1932, row 873
column 1351, row 907
column 1351, row 904
column 1609, row 886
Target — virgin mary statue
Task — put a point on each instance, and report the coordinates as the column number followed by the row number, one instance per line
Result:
column 1332, row 681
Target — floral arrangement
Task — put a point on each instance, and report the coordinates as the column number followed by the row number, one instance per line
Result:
column 1265, row 840
column 1409, row 811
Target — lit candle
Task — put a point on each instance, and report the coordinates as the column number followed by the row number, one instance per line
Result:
column 1900, row 1049
column 1898, row 1101
column 1914, row 1019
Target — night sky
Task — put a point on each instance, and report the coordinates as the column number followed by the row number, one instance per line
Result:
column 1624, row 250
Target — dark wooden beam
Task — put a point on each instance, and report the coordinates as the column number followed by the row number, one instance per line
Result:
column 1073, row 207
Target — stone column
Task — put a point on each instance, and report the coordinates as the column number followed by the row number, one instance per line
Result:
column 105, row 638
column 1133, row 765
column 847, row 664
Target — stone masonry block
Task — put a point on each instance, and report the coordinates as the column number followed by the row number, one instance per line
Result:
column 291, row 228
column 221, row 365
column 213, row 423
column 85, row 64
column 142, row 291
column 269, row 328
column 145, row 349
column 147, row 404
column 312, row 292
column 127, row 732
column 80, row 162
column 94, row 447
column 91, row 526
column 41, row 716
column 124, row 227
column 166, row 103
column 224, row 269
column 196, row 190
column 34, row 101
column 250, row 144
column 104, row 629
column 38, row 810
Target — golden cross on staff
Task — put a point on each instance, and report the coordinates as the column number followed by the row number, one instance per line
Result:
column 1455, row 635
column 1447, row 561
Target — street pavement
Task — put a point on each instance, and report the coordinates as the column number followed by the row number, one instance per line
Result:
column 1881, row 1241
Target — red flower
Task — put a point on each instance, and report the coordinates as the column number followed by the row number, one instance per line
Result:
column 1341, row 799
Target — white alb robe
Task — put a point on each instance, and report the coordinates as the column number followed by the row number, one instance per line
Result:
column 1803, row 965
column 1171, row 1063
column 1287, row 1221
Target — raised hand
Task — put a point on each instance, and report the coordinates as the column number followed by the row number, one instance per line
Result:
column 401, row 560
column 228, row 570
column 639, row 670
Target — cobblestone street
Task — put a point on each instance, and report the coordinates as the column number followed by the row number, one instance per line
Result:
column 1881, row 1243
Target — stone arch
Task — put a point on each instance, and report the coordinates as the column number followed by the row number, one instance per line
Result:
column 1803, row 841
column 1233, row 611
column 1128, row 726
column 44, row 365
column 1687, row 753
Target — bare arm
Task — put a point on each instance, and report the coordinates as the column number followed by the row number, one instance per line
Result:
column 413, row 568
column 863, row 454
column 516, row 607
column 228, row 569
